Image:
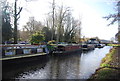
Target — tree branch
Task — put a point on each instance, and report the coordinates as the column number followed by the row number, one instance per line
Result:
column 19, row 11
column 18, row 17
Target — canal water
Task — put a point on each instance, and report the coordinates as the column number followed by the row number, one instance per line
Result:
column 74, row 66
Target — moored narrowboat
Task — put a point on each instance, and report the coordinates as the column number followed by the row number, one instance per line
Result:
column 100, row 45
column 12, row 54
column 87, row 47
column 66, row 49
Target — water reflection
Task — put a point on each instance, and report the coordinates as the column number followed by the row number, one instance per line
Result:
column 89, row 62
column 76, row 66
column 57, row 68
column 66, row 67
column 18, row 70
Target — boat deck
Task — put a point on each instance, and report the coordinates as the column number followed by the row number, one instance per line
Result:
column 21, row 56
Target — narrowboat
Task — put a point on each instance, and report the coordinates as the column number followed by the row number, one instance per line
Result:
column 15, row 54
column 63, row 49
column 100, row 45
column 87, row 47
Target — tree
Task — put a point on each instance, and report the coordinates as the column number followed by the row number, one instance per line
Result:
column 24, row 35
column 47, row 34
column 16, row 17
column 53, row 11
column 62, row 25
column 66, row 28
column 6, row 23
column 72, row 29
column 37, row 38
column 33, row 26
column 115, row 17
column 61, row 15
column 50, row 20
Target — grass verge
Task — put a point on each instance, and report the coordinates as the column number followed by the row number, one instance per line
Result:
column 109, row 67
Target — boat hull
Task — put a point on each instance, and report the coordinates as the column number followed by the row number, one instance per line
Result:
column 88, row 47
column 67, row 50
column 20, row 60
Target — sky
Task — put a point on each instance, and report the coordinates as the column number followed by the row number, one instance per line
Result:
column 89, row 11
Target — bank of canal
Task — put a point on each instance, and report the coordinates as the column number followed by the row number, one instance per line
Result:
column 109, row 68
column 75, row 66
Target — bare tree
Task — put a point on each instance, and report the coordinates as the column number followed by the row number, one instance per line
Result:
column 78, row 31
column 115, row 17
column 33, row 26
column 24, row 35
column 16, row 17
column 72, row 29
column 53, row 11
column 61, row 15
column 63, row 26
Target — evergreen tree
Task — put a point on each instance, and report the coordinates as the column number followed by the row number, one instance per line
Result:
column 6, row 26
column 37, row 38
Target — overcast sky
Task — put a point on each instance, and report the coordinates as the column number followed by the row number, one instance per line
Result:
column 90, row 12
